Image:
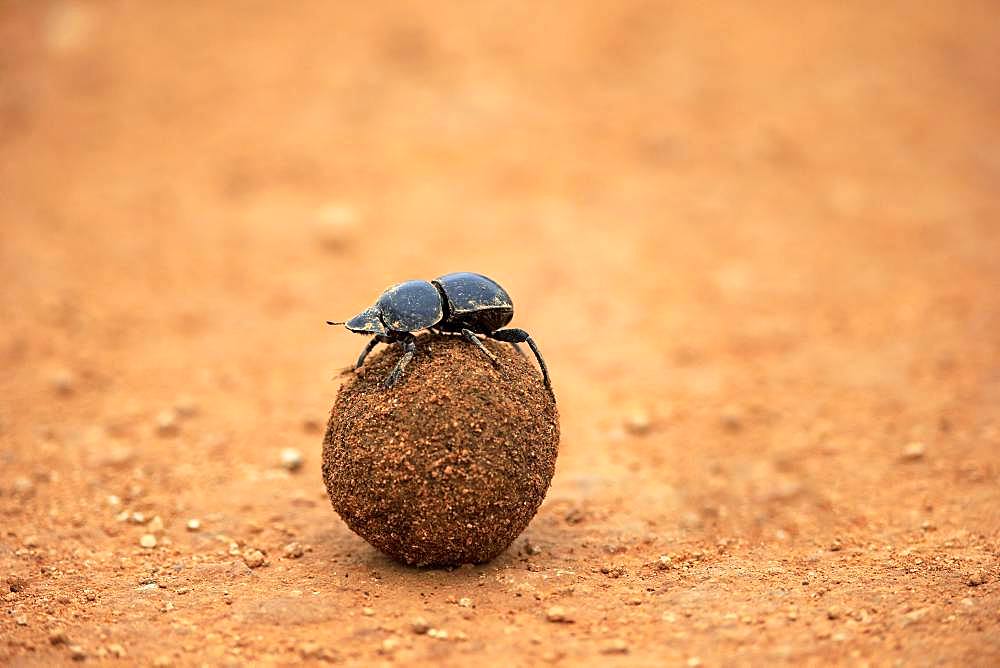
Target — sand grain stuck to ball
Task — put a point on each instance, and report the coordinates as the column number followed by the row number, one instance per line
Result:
column 449, row 466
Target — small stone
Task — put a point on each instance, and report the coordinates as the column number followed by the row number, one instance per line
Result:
column 294, row 550
column 335, row 225
column 465, row 602
column 163, row 661
column 23, row 486
column 310, row 650
column 254, row 558
column 614, row 571
column 155, row 525
column 291, row 459
column 63, row 382
column 389, row 645
column 833, row 612
column 437, row 634
column 368, row 612
column 558, row 615
column 166, row 423
column 32, row 541
column 420, row 626
column 193, row 524
column 89, row 595
column 977, row 578
column 914, row 451
column 616, row 646
column 186, row 406
column 21, row 620
column 116, row 650
column 58, row 637
column 148, row 541
column 731, row 418
column 693, row 662
column 664, row 563
column 638, row 422
column 77, row 653
column 532, row 549
column 16, row 583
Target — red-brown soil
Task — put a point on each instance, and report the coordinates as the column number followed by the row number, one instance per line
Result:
column 757, row 243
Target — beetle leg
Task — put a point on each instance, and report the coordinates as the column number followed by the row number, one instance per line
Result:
column 514, row 335
column 368, row 348
column 472, row 338
column 409, row 348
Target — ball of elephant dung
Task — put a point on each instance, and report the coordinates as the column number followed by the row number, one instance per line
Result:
column 448, row 466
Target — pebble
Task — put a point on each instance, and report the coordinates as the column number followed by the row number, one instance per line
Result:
column 63, row 382
column 254, row 558
column 23, row 486
column 914, row 451
column 389, row 645
column 368, row 612
column 32, row 541
column 166, row 423
column 614, row 571
column 77, row 653
column 731, row 418
column 335, row 225
column 155, row 525
column 148, row 541
column 21, row 620
column 186, row 406
column 638, row 422
column 294, row 550
column 465, row 602
column 833, row 612
column 438, row 634
column 557, row 614
column 664, row 562
column 616, row 646
column 193, row 524
column 58, row 637
column 420, row 626
column 291, row 459
column 16, row 583
column 116, row 650
column 976, row 579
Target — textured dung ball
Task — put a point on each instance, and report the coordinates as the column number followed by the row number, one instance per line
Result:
column 448, row 466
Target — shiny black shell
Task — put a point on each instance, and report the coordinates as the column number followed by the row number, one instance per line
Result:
column 410, row 306
column 475, row 302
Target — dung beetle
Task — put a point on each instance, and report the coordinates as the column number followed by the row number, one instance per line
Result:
column 461, row 303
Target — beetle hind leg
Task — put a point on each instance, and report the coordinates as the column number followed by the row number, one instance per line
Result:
column 470, row 336
column 515, row 336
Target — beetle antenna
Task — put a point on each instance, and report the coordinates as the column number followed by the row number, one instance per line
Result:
column 330, row 322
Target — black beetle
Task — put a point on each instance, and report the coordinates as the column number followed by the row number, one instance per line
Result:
column 460, row 303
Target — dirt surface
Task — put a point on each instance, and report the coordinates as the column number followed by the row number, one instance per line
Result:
column 449, row 466
column 757, row 243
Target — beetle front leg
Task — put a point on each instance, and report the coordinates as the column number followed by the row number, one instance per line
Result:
column 409, row 344
column 368, row 348
column 472, row 338
column 514, row 335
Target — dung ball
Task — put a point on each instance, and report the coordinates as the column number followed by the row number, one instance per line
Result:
column 449, row 465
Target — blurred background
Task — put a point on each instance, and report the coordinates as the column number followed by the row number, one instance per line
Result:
column 756, row 242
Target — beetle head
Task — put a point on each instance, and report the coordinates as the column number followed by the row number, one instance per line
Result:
column 366, row 322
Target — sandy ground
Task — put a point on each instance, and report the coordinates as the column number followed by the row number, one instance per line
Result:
column 757, row 243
